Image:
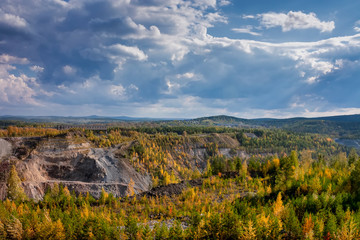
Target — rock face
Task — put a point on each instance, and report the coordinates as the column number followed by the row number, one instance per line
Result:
column 41, row 162
column 73, row 162
column 5, row 149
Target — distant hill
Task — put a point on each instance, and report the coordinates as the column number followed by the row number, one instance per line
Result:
column 346, row 126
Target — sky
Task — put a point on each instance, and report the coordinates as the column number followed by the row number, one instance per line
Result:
column 179, row 58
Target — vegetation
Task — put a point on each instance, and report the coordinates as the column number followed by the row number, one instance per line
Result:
column 292, row 186
column 13, row 131
column 292, row 197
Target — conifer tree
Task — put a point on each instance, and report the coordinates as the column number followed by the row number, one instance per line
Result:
column 146, row 233
column 131, row 228
column 208, row 171
column 292, row 224
column 2, row 230
column 15, row 190
column 14, row 229
column 103, row 196
column 130, row 189
column 176, row 231
column 331, row 225
column 353, row 156
column 278, row 205
column 249, row 232
column 355, row 178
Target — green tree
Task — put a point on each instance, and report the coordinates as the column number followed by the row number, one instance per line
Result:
column 176, row 231
column 15, row 190
column 355, row 178
column 353, row 156
column 292, row 224
column 131, row 228
column 331, row 225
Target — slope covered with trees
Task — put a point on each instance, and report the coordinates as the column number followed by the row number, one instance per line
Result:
column 288, row 185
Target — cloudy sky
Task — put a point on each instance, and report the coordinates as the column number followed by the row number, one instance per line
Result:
column 179, row 58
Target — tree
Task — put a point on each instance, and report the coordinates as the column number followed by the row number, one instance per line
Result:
column 292, row 224
column 131, row 228
column 130, row 189
column 15, row 191
column 355, row 178
column 14, row 228
column 2, row 230
column 353, row 156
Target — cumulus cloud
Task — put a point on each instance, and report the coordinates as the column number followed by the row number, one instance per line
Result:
column 16, row 89
column 129, row 51
column 12, row 20
column 5, row 58
column 247, row 30
column 36, row 68
column 357, row 26
column 69, row 70
column 175, row 83
column 295, row 20
column 167, row 58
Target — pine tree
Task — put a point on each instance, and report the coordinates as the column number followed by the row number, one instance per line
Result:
column 176, row 231
column 146, row 233
column 208, row 172
column 103, row 196
column 278, row 205
column 131, row 228
column 292, row 224
column 15, row 190
column 14, row 228
column 55, row 190
column 353, row 156
column 355, row 178
column 249, row 232
column 331, row 225
column 130, row 189
column 2, row 230
column 161, row 233
column 58, row 230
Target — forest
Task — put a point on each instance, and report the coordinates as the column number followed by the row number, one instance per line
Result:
column 293, row 186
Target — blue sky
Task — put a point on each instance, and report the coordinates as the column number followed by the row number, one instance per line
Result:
column 181, row 59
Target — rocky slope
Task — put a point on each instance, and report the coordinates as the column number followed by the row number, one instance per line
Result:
column 41, row 162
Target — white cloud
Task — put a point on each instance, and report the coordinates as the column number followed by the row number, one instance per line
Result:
column 12, row 20
column 176, row 82
column 248, row 16
column 118, row 90
column 69, row 70
column 133, row 87
column 36, row 68
column 16, row 89
column 246, row 30
column 138, row 51
column 130, row 51
column 185, row 75
column 294, row 20
column 5, row 58
column 66, row 89
column 357, row 26
column 224, row 2
column 311, row 58
column 312, row 80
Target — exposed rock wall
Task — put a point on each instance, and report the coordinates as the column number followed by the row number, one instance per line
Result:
column 5, row 149
column 72, row 161
column 41, row 162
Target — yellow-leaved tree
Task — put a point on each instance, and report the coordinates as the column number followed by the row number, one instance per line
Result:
column 15, row 190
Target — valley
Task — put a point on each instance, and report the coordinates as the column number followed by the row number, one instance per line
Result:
column 155, row 181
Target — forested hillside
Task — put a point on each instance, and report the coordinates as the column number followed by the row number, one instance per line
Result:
column 208, row 183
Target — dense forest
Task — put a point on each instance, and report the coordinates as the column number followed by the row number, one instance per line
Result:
column 292, row 186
